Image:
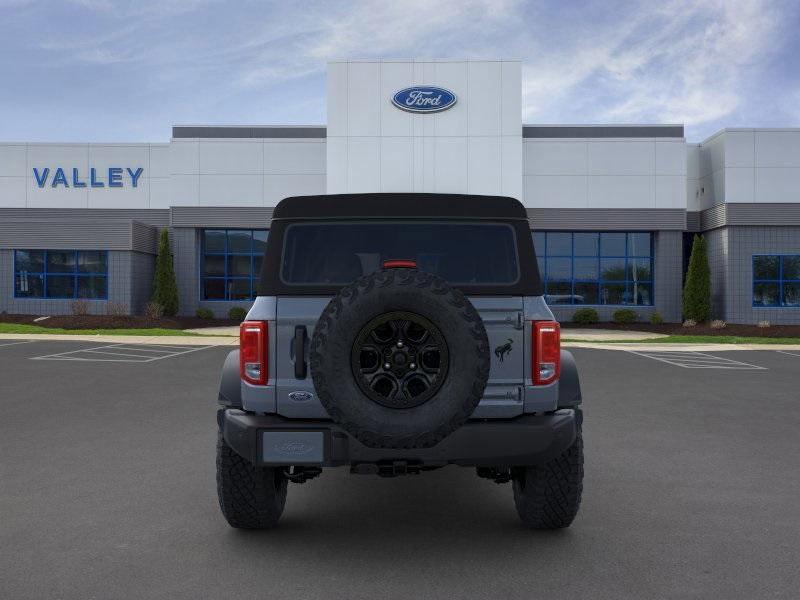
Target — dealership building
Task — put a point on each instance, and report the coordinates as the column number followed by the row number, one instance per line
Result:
column 613, row 208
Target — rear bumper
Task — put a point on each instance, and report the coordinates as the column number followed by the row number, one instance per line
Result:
column 273, row 440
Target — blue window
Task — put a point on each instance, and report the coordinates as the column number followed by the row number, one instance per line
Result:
column 66, row 274
column 776, row 280
column 592, row 267
column 231, row 263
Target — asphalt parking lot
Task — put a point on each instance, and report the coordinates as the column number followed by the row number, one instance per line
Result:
column 107, row 491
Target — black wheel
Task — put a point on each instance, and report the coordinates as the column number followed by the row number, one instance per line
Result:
column 549, row 496
column 250, row 497
column 400, row 359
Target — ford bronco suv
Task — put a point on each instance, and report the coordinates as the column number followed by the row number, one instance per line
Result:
column 395, row 334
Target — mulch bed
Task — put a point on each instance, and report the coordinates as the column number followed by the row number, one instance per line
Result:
column 774, row 331
column 115, row 322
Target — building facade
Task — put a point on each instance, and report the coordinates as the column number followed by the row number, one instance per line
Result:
column 612, row 208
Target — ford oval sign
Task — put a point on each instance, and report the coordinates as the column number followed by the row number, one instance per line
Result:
column 424, row 99
column 300, row 396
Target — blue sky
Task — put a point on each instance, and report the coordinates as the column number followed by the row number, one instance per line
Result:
column 104, row 70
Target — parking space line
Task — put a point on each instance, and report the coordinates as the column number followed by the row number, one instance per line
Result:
column 137, row 349
column 3, row 345
column 78, row 359
column 698, row 360
column 145, row 357
column 787, row 353
column 155, row 346
column 68, row 352
column 130, row 352
column 181, row 353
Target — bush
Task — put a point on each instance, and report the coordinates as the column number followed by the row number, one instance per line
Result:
column 153, row 311
column 624, row 315
column 585, row 316
column 165, row 288
column 116, row 309
column 79, row 308
column 764, row 324
column 697, row 290
column 204, row 313
column 237, row 313
column 690, row 323
column 656, row 318
column 717, row 324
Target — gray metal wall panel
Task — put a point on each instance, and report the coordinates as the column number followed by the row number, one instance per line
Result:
column 718, row 255
column 255, row 217
column 66, row 234
column 141, row 277
column 742, row 243
column 151, row 216
column 607, row 219
column 775, row 213
column 713, row 217
column 144, row 238
column 668, row 275
column 201, row 132
column 186, row 256
column 693, row 221
column 602, row 131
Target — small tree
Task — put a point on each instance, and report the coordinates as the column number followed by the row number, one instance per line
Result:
column 697, row 289
column 165, row 288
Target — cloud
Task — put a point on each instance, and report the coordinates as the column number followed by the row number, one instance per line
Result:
column 375, row 29
column 705, row 63
column 683, row 62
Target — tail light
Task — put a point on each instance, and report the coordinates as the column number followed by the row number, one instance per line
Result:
column 253, row 354
column 546, row 351
column 399, row 263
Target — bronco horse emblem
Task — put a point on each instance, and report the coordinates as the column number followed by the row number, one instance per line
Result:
column 501, row 351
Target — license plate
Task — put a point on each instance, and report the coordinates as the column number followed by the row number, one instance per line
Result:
column 293, row 447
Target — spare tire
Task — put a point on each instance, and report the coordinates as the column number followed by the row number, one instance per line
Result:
column 400, row 359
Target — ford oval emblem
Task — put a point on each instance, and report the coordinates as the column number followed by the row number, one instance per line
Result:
column 424, row 99
column 295, row 448
column 300, row 396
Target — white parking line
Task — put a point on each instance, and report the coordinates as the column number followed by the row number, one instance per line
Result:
column 127, row 353
column 141, row 349
column 788, row 353
column 114, row 353
column 698, row 360
column 3, row 345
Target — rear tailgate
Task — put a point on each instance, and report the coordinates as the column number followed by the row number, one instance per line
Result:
column 297, row 316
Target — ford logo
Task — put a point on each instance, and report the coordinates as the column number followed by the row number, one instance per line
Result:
column 424, row 99
column 293, row 448
column 300, row 396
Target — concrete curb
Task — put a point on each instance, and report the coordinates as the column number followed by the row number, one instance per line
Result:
column 608, row 335
column 229, row 330
column 152, row 340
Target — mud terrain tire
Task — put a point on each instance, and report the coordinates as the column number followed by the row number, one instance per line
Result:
column 465, row 352
column 549, row 496
column 250, row 497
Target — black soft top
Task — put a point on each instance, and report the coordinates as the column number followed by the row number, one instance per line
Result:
column 407, row 206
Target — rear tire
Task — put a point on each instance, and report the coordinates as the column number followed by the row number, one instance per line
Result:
column 548, row 496
column 250, row 497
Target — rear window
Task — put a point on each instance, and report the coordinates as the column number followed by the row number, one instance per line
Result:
column 337, row 253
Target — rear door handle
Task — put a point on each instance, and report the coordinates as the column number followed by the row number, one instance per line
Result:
column 300, row 336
